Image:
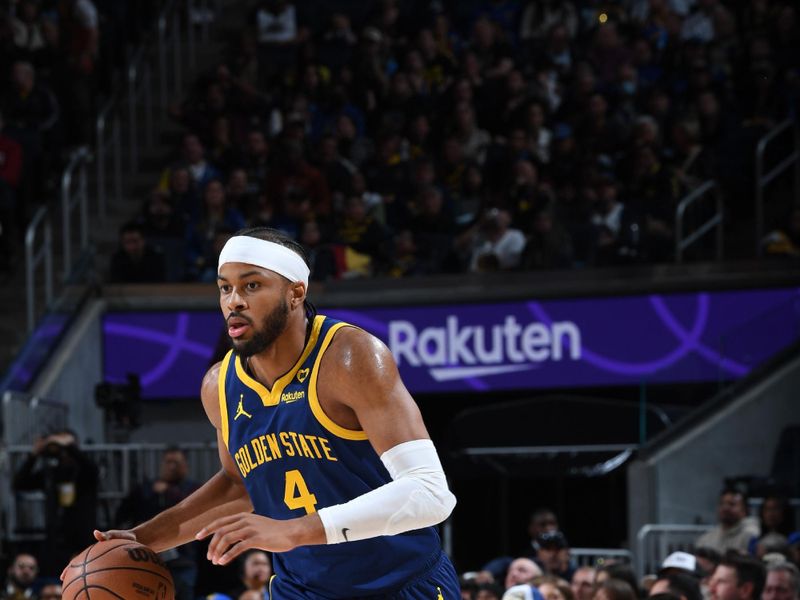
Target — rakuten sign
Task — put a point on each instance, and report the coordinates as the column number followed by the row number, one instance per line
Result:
column 501, row 344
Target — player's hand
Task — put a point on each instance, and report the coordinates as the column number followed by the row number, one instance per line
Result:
column 238, row 533
column 102, row 536
column 114, row 534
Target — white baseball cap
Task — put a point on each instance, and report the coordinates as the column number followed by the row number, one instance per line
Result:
column 680, row 560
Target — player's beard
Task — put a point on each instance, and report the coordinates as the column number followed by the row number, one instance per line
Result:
column 272, row 327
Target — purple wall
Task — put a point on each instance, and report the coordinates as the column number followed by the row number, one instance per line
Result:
column 671, row 338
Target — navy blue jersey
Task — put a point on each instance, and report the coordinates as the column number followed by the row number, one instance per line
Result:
column 294, row 460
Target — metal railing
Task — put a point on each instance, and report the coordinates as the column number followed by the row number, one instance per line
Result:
column 596, row 557
column 140, row 106
column 121, row 467
column 36, row 253
column 681, row 242
column 72, row 197
column 655, row 542
column 764, row 179
column 27, row 417
column 105, row 145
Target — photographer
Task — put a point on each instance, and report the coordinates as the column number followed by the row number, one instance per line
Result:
column 69, row 480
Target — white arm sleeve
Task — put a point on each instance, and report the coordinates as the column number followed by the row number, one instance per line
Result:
column 416, row 497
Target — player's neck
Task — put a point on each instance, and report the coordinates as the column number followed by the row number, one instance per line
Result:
column 281, row 356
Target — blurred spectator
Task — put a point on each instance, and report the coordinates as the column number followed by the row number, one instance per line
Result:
column 614, row 589
column 707, row 561
column 776, row 521
column 683, row 585
column 31, row 112
column 489, row 591
column 583, row 583
column 160, row 219
column 255, row 572
column 620, row 572
column 738, row 577
column 540, row 16
column 136, row 260
column 51, row 591
column 27, row 27
column 783, row 583
column 549, row 246
column 553, row 555
column 496, row 245
column 734, row 531
column 276, row 22
column 256, row 161
column 338, row 171
column 149, row 498
column 20, row 577
column 79, row 29
column 10, row 175
column 295, row 178
column 202, row 232
column 472, row 139
column 521, row 570
column 553, row 588
column 360, row 231
column 784, row 242
column 320, row 253
column 69, row 479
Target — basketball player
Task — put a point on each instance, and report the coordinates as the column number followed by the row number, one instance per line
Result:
column 326, row 460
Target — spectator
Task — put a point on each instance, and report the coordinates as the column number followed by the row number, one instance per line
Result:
column 489, row 591
column 255, row 572
column 553, row 555
column 69, row 479
column 617, row 571
column 733, row 531
column 496, row 238
column 10, row 175
column 553, row 588
column 583, row 583
column 707, row 561
column 150, row 498
column 194, row 153
column 20, row 577
column 51, row 591
column 136, row 261
column 683, row 563
column 256, row 161
column 473, row 140
column 784, row 241
column 31, row 113
column 363, row 234
column 614, row 589
column 521, row 570
column 738, row 577
column 296, row 178
column 776, row 519
column 683, row 585
column 202, row 232
column 783, row 583
column 276, row 22
column 549, row 246
column 79, row 28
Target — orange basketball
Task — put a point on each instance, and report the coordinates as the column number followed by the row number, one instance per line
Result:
column 117, row 569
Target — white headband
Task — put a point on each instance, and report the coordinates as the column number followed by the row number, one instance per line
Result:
column 268, row 255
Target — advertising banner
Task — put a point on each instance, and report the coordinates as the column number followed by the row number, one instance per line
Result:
column 622, row 340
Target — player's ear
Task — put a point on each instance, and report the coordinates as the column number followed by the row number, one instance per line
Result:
column 297, row 294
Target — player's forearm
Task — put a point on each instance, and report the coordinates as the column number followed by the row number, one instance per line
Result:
column 220, row 496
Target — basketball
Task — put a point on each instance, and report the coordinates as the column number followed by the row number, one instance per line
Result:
column 117, row 569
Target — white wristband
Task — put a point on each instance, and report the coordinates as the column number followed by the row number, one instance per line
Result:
column 417, row 497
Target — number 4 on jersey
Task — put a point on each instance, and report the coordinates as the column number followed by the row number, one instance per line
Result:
column 297, row 494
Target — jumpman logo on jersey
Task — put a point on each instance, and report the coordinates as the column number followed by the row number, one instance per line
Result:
column 439, row 594
column 240, row 411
